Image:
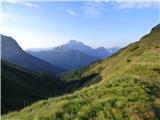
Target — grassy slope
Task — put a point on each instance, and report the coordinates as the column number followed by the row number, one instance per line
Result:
column 130, row 89
column 21, row 87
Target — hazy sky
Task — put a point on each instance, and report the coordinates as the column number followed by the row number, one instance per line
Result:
column 107, row 23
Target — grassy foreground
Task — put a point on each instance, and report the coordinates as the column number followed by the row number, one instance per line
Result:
column 129, row 89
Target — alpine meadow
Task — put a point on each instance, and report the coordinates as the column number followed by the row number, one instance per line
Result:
column 98, row 78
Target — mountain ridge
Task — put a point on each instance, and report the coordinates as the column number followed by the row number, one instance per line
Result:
column 13, row 53
column 99, row 52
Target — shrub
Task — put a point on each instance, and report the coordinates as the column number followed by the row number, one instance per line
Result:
column 129, row 60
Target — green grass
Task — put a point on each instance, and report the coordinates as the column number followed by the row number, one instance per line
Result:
column 21, row 87
column 129, row 89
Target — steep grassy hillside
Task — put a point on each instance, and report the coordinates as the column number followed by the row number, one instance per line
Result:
column 129, row 90
column 21, row 87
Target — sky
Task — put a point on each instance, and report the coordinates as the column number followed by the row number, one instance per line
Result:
column 108, row 23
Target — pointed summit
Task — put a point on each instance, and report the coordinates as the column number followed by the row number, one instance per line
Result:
column 75, row 45
column 75, row 42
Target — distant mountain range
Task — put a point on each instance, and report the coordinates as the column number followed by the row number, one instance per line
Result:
column 73, row 54
column 13, row 53
column 100, row 52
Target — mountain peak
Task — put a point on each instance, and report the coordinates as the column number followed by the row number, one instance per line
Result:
column 101, row 48
column 75, row 42
column 9, row 44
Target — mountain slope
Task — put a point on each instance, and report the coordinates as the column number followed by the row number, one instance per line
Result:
column 68, row 59
column 13, row 53
column 129, row 90
column 21, row 87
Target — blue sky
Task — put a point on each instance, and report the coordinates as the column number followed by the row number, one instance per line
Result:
column 104, row 23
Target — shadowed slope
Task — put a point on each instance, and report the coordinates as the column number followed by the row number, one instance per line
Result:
column 21, row 87
column 13, row 53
